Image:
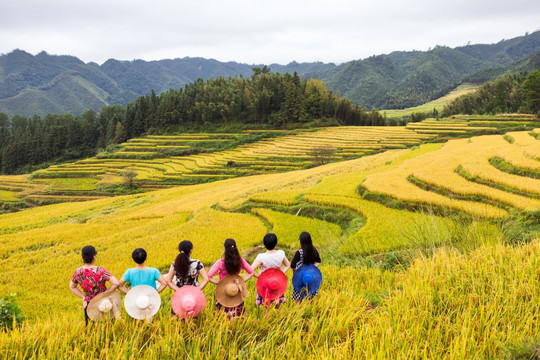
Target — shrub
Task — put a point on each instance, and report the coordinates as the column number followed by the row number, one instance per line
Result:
column 10, row 314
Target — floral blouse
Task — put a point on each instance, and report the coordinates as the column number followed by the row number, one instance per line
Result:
column 193, row 274
column 92, row 281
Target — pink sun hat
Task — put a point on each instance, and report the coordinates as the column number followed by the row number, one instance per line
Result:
column 188, row 301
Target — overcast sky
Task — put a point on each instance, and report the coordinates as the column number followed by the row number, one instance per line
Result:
column 256, row 31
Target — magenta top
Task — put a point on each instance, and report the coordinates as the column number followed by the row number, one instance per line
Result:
column 219, row 268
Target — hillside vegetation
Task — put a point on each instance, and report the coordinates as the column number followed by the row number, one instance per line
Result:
column 45, row 84
column 445, row 282
column 269, row 100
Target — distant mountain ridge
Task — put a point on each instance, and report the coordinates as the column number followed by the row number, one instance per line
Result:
column 44, row 83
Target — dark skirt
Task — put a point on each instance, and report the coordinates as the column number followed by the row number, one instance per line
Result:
column 260, row 301
column 232, row 312
column 302, row 295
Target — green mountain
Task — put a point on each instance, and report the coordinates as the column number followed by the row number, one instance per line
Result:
column 46, row 83
column 406, row 79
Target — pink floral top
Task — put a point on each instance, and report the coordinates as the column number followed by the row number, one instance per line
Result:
column 219, row 268
column 92, row 281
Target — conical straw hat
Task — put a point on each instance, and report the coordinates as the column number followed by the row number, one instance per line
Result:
column 142, row 302
column 188, row 301
column 104, row 306
column 271, row 284
column 307, row 279
column 231, row 291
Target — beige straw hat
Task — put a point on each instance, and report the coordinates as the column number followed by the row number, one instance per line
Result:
column 142, row 302
column 105, row 306
column 231, row 291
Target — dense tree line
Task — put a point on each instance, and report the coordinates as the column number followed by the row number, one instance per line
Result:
column 507, row 94
column 26, row 142
column 264, row 98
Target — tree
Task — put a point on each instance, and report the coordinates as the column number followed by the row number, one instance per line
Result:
column 321, row 155
column 120, row 134
column 531, row 89
column 129, row 176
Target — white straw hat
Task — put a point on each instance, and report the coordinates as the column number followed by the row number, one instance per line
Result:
column 142, row 302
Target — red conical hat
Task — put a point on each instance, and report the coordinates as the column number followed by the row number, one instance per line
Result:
column 272, row 283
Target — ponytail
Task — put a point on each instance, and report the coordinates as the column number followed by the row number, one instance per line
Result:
column 232, row 258
column 182, row 262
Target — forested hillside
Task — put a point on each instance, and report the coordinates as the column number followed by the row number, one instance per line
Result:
column 44, row 83
column 406, row 79
column 262, row 99
column 507, row 94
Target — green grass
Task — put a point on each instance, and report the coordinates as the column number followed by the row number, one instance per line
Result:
column 437, row 104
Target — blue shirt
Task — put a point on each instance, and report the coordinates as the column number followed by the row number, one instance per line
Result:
column 142, row 277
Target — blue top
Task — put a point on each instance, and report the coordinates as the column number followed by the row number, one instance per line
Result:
column 142, row 277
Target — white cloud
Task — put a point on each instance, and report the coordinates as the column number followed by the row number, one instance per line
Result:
column 256, row 31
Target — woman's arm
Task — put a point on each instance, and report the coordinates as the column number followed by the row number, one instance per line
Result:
column 163, row 284
column 286, row 263
column 75, row 289
column 121, row 286
column 317, row 259
column 114, row 283
column 205, row 281
column 254, row 266
column 248, row 268
column 169, row 279
column 214, row 270
column 295, row 260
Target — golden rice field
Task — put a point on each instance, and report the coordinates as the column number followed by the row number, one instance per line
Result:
column 161, row 161
column 398, row 282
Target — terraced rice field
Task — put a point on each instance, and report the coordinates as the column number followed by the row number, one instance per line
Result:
column 293, row 150
column 161, row 161
column 459, row 176
column 446, row 304
column 207, row 213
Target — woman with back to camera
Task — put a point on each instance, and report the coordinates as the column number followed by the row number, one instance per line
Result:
column 185, row 269
column 91, row 278
column 231, row 264
column 271, row 259
column 306, row 255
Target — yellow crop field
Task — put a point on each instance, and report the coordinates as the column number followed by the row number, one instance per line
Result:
column 450, row 306
column 446, row 282
column 284, row 197
column 438, row 170
column 284, row 153
column 288, row 227
column 484, row 171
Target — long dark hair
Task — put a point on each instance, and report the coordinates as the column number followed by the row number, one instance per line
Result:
column 310, row 253
column 182, row 262
column 231, row 257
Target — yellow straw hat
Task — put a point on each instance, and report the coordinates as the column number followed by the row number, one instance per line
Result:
column 231, row 291
column 104, row 306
